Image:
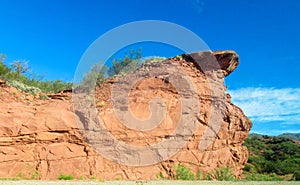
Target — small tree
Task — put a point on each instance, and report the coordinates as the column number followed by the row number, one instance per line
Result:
column 126, row 64
column 96, row 75
column 20, row 66
column 4, row 69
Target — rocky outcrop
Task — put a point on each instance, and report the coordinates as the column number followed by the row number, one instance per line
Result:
column 2, row 82
column 45, row 138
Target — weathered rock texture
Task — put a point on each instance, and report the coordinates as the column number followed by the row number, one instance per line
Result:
column 41, row 138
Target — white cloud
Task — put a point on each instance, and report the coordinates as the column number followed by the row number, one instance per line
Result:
column 269, row 104
column 275, row 132
column 197, row 5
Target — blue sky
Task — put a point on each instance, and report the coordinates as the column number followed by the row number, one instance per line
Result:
column 53, row 35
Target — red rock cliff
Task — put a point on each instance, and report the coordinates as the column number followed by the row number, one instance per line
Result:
column 41, row 138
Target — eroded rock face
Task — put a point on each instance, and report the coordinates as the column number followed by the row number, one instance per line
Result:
column 41, row 138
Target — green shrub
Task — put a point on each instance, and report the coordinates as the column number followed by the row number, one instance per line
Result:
column 269, row 155
column 35, row 175
column 44, row 97
column 183, row 173
column 160, row 176
column 127, row 64
column 198, row 175
column 248, row 167
column 297, row 175
column 10, row 179
column 263, row 177
column 154, row 59
column 179, row 57
column 224, row 174
column 24, row 88
column 208, row 176
column 65, row 177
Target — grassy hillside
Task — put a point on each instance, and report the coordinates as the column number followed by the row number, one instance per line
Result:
column 272, row 158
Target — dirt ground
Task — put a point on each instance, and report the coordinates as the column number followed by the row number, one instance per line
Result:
column 147, row 182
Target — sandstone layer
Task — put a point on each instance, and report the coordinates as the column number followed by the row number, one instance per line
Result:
column 45, row 138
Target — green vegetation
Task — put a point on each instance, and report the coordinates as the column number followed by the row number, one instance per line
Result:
column 220, row 174
column 43, row 97
column 11, row 179
column 198, row 175
column 96, row 75
column 31, row 174
column 128, row 63
column 160, row 176
column 120, row 66
column 179, row 57
column 17, row 75
column 297, row 175
column 263, row 177
column 99, row 72
column 65, row 177
column 183, row 173
column 208, row 176
column 93, row 178
column 20, row 67
column 23, row 87
column 224, row 174
column 272, row 158
column 253, row 171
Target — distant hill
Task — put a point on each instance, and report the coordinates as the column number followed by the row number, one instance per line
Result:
column 293, row 136
column 255, row 135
